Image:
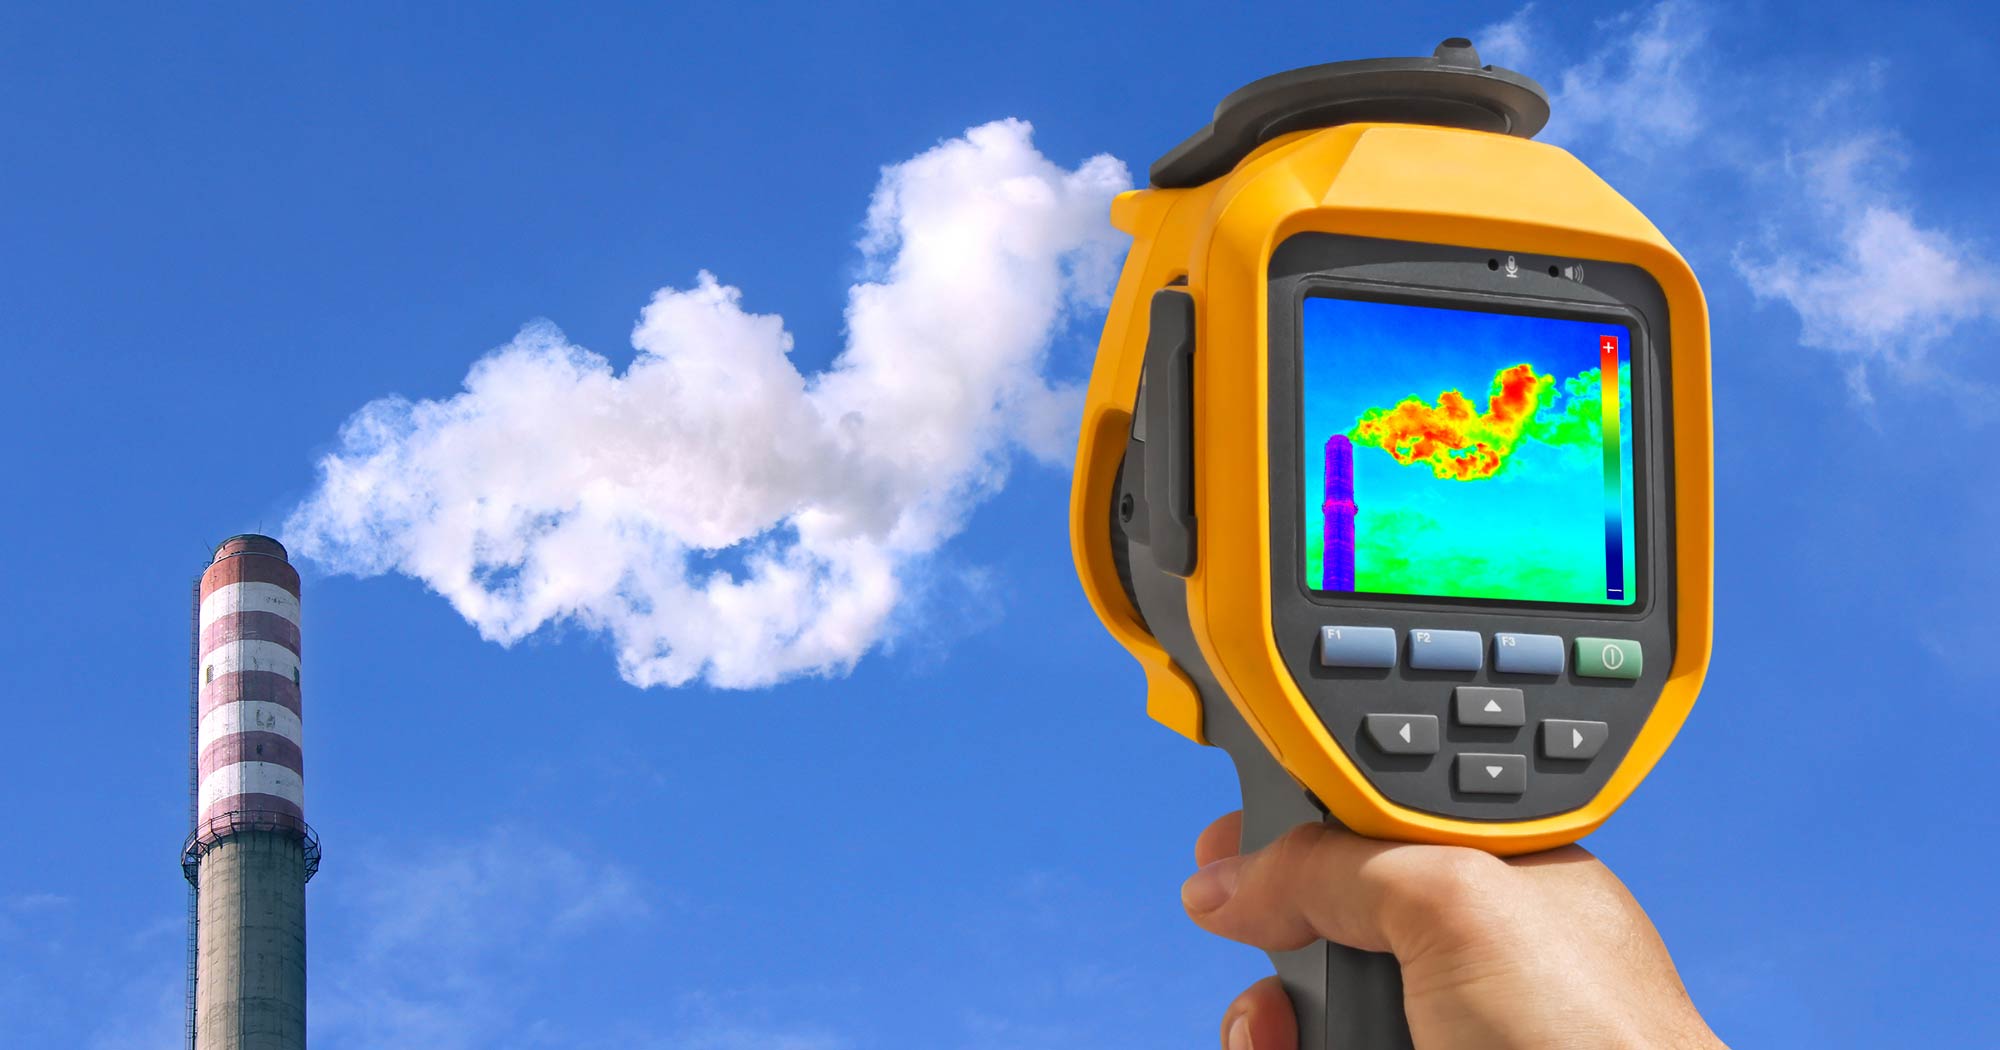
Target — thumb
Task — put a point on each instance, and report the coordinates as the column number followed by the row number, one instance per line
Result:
column 1321, row 881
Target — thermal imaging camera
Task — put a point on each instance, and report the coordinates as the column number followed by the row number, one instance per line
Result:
column 1395, row 473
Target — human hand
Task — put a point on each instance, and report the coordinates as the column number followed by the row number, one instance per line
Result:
column 1548, row 950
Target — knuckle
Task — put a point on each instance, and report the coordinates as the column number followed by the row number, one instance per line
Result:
column 1447, row 889
column 1290, row 852
column 1300, row 842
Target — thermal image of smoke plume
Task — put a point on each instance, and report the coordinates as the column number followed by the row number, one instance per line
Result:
column 1457, row 441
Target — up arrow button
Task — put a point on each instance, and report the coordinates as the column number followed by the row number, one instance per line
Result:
column 1482, row 705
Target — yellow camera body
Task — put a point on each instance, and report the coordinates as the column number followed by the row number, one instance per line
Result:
column 1478, row 190
column 1395, row 474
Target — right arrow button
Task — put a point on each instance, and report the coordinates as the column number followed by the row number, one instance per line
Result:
column 1565, row 738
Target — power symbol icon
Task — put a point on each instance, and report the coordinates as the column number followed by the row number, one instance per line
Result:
column 1613, row 657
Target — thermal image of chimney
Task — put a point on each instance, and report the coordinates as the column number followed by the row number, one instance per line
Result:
column 1337, row 561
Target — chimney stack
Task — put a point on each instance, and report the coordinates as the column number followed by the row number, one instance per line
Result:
column 249, row 852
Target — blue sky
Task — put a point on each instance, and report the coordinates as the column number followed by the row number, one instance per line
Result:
column 227, row 230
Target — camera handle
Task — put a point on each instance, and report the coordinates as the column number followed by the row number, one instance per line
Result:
column 1345, row 998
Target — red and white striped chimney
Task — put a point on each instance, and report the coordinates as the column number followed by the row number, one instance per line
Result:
column 251, row 766
column 250, row 852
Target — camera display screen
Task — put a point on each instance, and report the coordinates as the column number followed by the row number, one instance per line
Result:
column 1466, row 453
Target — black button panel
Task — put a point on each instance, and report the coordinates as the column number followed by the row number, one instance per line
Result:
column 1523, row 733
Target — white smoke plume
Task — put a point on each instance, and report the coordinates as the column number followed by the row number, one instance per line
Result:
column 555, row 488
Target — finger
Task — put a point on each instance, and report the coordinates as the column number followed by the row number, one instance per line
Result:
column 1261, row 1019
column 1220, row 839
column 1321, row 881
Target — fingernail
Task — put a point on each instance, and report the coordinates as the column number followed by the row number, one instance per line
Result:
column 1239, row 1032
column 1211, row 887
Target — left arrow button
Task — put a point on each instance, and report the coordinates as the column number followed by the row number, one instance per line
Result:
column 1404, row 734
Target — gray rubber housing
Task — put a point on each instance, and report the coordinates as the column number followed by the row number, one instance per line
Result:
column 1344, row 999
column 1448, row 89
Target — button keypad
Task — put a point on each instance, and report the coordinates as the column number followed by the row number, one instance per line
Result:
column 1463, row 747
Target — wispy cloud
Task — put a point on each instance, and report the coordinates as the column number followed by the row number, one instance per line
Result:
column 147, row 1013
column 1510, row 42
column 719, row 514
column 67, row 979
column 488, row 895
column 1834, row 235
column 447, row 948
column 1643, row 94
column 30, row 902
column 712, row 1021
column 442, row 938
column 1868, row 280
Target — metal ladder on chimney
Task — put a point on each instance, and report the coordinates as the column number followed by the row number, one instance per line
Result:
column 194, row 800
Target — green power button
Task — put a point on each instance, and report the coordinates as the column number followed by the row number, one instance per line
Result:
column 1609, row 658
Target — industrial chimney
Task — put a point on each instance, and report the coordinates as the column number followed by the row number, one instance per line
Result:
column 248, row 852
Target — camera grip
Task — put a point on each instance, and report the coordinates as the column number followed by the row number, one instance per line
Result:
column 1345, row 999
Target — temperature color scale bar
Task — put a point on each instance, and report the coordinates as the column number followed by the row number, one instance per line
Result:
column 1614, row 485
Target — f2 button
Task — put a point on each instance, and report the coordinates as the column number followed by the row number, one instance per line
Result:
column 1404, row 734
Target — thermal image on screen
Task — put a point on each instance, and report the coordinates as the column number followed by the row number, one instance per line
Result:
column 1467, row 454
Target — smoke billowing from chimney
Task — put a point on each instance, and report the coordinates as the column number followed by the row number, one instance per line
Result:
column 554, row 487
